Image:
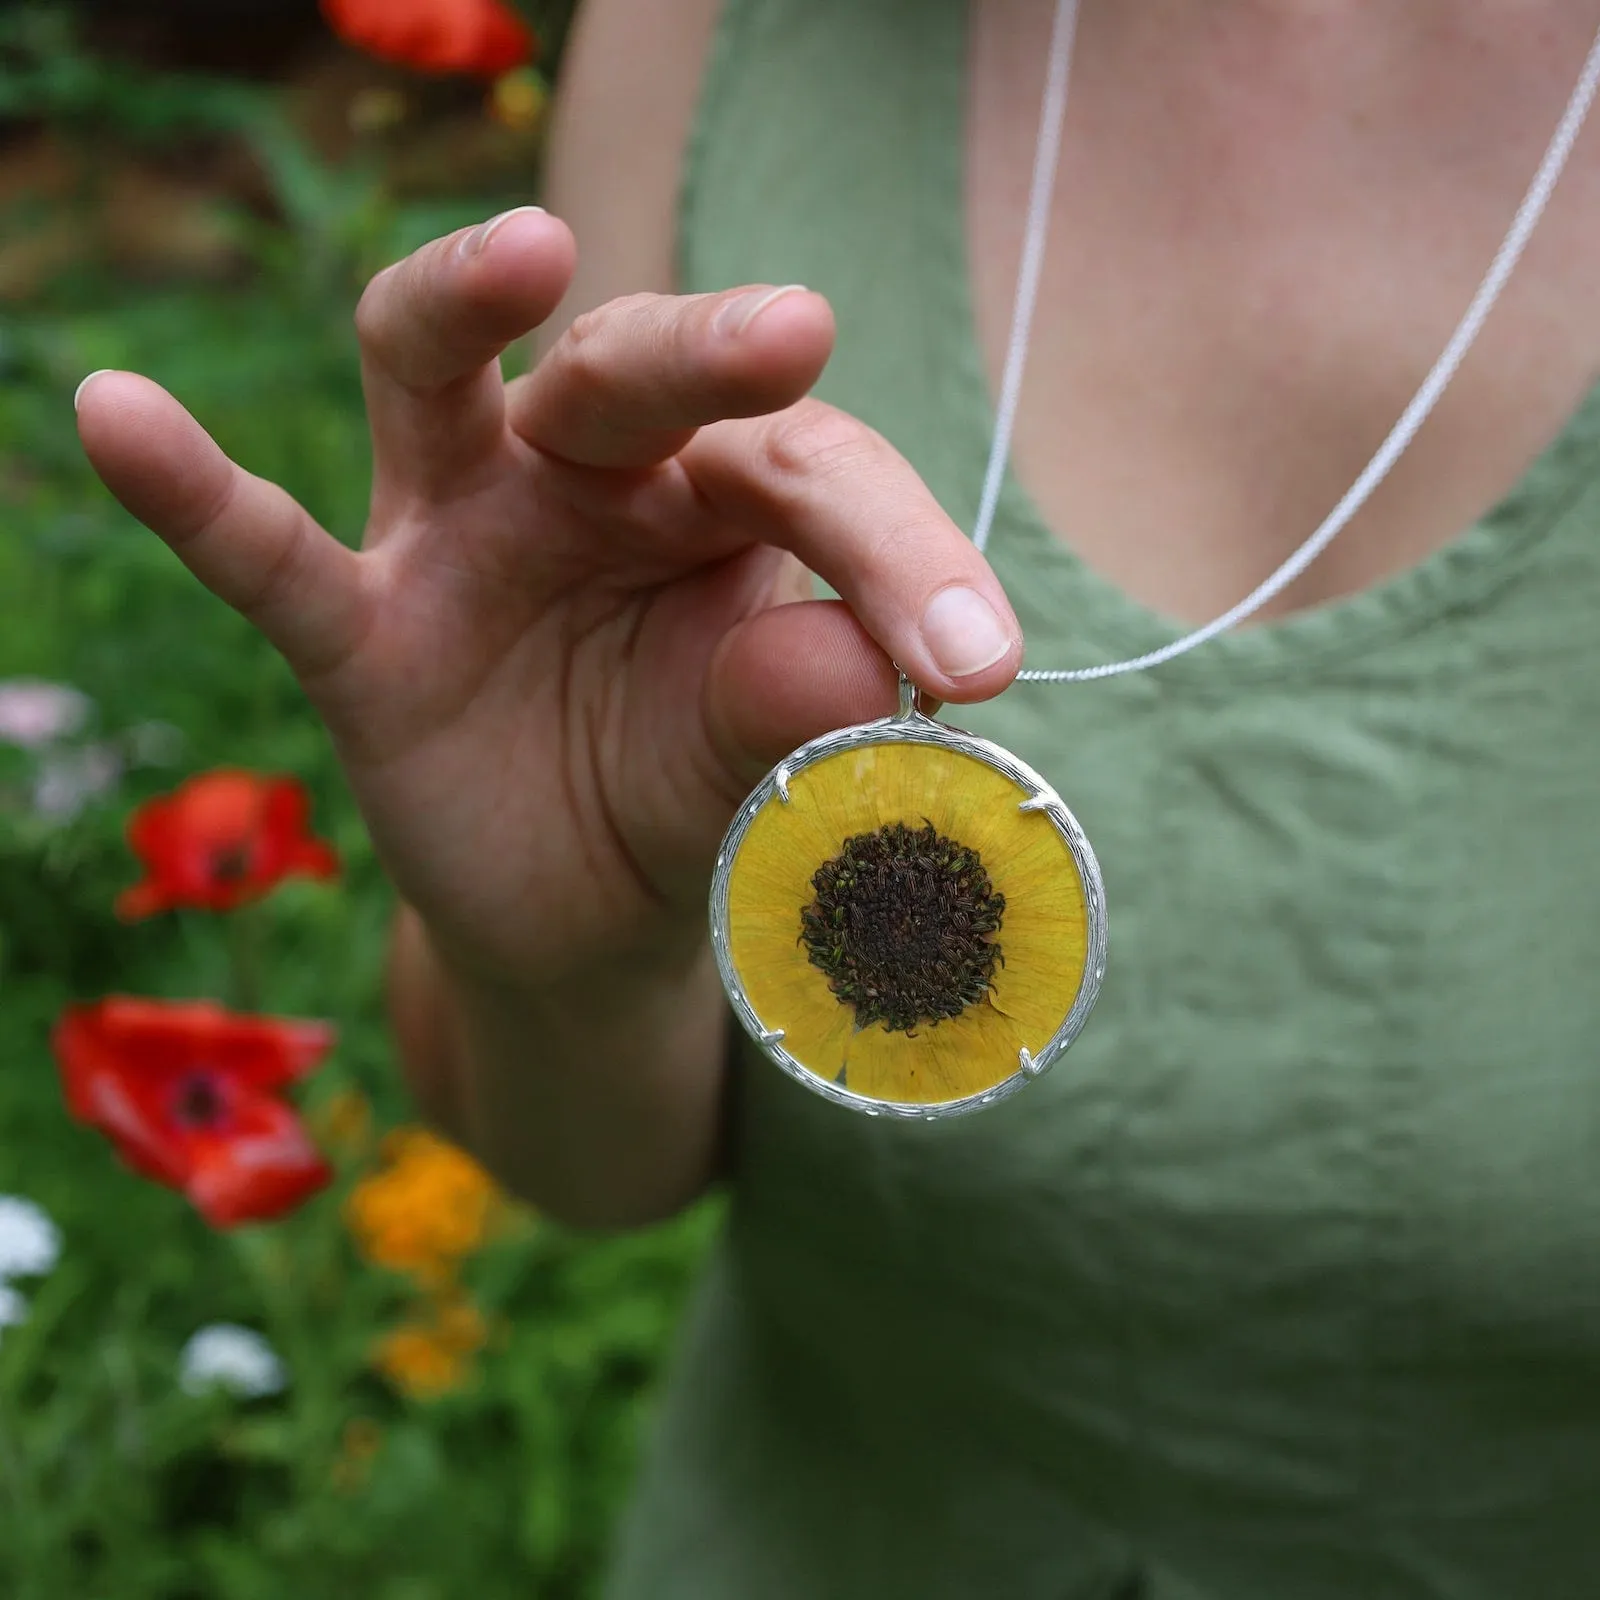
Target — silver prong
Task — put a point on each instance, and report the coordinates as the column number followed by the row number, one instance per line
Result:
column 772, row 1036
column 1040, row 801
column 780, row 780
column 1029, row 1065
column 908, row 696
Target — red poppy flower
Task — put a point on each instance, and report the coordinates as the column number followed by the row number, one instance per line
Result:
column 221, row 839
column 481, row 37
column 190, row 1095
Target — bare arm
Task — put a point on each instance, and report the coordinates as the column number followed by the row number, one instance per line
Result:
column 597, row 1099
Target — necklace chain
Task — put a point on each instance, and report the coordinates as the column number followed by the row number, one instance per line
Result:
column 1046, row 154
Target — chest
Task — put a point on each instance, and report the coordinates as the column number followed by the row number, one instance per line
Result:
column 1260, row 241
column 1305, row 1223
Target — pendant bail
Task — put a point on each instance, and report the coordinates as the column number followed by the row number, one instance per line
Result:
column 910, row 698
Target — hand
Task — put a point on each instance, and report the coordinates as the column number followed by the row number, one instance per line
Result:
column 562, row 655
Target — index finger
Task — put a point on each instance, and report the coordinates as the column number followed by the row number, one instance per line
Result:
column 821, row 484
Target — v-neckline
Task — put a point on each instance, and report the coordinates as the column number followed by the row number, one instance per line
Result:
column 1099, row 621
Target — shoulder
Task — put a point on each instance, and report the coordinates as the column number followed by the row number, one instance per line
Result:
column 624, row 108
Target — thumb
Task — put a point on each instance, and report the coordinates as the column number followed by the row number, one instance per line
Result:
column 244, row 538
column 787, row 675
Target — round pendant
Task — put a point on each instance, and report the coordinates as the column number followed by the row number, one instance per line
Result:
column 908, row 919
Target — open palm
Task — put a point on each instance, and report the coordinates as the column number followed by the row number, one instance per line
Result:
column 562, row 653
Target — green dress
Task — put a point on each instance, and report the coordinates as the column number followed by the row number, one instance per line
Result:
column 1285, row 1283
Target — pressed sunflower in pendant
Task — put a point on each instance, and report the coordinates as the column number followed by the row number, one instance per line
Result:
column 912, row 925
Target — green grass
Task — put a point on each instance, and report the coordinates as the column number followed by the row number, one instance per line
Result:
column 114, row 1484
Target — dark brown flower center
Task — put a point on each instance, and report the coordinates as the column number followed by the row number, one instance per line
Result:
column 199, row 1102
column 904, row 925
column 230, row 863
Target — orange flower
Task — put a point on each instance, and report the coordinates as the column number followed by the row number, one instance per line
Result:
column 518, row 100
column 221, row 839
column 481, row 37
column 425, row 1359
column 425, row 1210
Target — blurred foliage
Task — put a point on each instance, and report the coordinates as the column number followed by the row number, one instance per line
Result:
column 324, row 178
column 114, row 1482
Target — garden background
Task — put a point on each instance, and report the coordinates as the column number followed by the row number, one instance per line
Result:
column 418, row 1390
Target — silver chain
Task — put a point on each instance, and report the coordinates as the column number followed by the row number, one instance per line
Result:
column 1400, row 436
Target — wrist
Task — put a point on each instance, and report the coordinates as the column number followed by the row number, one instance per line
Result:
column 597, row 1095
column 663, row 951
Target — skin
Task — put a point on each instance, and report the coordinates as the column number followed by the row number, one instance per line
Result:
column 1268, row 219
column 577, row 628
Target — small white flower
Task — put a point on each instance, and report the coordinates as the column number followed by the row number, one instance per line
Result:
column 69, row 779
column 30, row 1243
column 34, row 713
column 13, row 1308
column 226, row 1356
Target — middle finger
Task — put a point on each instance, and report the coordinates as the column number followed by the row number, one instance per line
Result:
column 627, row 385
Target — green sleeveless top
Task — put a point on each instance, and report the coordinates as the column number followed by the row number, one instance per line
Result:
column 1284, row 1284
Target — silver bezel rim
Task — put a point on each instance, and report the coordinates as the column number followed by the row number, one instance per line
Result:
column 911, row 726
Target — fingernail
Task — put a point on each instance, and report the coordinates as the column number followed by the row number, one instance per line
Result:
column 962, row 632
column 742, row 310
column 474, row 243
column 77, row 394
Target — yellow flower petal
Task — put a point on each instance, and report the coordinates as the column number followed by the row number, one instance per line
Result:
column 1043, row 938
